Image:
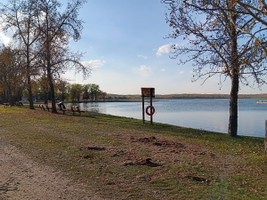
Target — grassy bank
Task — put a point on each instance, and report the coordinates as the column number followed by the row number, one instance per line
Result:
column 120, row 158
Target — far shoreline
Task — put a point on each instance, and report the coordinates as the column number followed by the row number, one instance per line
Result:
column 138, row 98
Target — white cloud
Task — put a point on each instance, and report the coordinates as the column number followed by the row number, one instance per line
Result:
column 163, row 70
column 144, row 68
column 94, row 63
column 181, row 72
column 5, row 39
column 142, row 56
column 164, row 49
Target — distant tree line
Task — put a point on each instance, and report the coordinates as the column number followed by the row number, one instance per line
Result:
column 40, row 53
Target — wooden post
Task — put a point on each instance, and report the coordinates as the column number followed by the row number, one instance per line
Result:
column 143, row 108
column 151, row 117
column 147, row 92
column 265, row 141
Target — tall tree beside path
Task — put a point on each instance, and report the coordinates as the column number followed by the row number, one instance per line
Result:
column 57, row 28
column 220, row 38
column 21, row 17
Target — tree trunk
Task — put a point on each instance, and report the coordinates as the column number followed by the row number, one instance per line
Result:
column 29, row 82
column 233, row 108
column 29, row 87
column 53, row 99
column 46, row 98
column 52, row 88
column 48, row 68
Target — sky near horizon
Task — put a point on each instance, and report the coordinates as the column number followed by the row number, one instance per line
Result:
column 125, row 43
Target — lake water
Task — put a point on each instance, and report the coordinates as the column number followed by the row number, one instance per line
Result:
column 206, row 114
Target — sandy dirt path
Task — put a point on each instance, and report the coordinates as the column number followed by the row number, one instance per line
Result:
column 21, row 178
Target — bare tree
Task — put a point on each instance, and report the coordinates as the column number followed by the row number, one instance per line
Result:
column 216, row 45
column 57, row 28
column 21, row 16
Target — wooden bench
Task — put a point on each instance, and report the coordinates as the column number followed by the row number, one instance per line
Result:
column 76, row 109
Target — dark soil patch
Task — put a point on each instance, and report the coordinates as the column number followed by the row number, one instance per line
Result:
column 160, row 143
column 119, row 153
column 146, row 162
column 199, row 179
column 93, row 148
column 87, row 156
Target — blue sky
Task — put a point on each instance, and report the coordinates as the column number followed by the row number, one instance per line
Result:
column 125, row 43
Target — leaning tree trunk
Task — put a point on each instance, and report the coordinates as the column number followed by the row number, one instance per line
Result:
column 233, row 108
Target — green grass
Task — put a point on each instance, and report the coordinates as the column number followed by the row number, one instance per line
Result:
column 234, row 167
